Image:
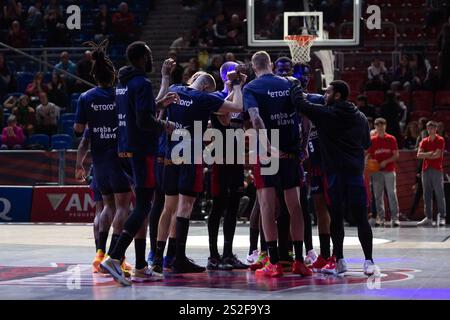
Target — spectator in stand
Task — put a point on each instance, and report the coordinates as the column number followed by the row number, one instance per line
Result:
column 412, row 133
column 17, row 37
column 214, row 68
column 176, row 76
column 12, row 135
column 206, row 35
column 7, row 81
column 123, row 24
column 25, row 115
column 402, row 74
column 57, row 91
column 34, row 21
column 235, row 32
column 420, row 70
column 220, row 31
column 431, row 150
column 57, row 32
column 403, row 111
column 84, row 67
column 102, row 24
column 182, row 42
column 384, row 150
column 229, row 56
column 444, row 53
column 191, row 69
column 377, row 75
column 47, row 116
column 12, row 11
column 55, row 7
column 365, row 107
column 443, row 134
column 67, row 65
column 423, row 130
column 391, row 112
column 36, row 86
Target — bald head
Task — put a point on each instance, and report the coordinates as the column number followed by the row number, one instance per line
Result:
column 261, row 62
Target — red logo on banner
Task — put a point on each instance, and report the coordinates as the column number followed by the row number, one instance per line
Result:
column 62, row 204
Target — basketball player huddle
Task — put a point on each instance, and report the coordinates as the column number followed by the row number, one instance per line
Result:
column 134, row 140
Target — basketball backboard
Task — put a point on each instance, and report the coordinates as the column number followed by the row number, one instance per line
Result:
column 336, row 23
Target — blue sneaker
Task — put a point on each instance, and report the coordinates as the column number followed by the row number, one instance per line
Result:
column 168, row 262
column 151, row 256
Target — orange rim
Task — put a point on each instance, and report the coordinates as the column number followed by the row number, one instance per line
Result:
column 300, row 39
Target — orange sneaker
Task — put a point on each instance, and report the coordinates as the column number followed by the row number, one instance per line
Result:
column 300, row 268
column 126, row 268
column 270, row 270
column 260, row 263
column 99, row 256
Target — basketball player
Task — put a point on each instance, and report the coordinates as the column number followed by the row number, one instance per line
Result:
column 344, row 136
column 183, row 180
column 96, row 109
column 139, row 130
column 266, row 99
column 80, row 174
column 227, row 186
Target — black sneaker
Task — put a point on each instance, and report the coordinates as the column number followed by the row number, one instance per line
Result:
column 186, row 265
column 157, row 266
column 217, row 264
column 234, row 262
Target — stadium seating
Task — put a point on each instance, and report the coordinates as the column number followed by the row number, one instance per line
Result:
column 375, row 97
column 23, row 79
column 416, row 115
column 67, row 127
column 442, row 100
column 61, row 141
column 68, row 116
column 39, row 139
column 422, row 100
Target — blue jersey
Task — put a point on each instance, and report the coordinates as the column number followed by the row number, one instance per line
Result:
column 313, row 144
column 96, row 108
column 194, row 105
column 134, row 94
column 236, row 118
column 162, row 144
column 271, row 95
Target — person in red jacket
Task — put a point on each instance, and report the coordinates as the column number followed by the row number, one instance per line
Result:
column 384, row 150
column 12, row 135
column 123, row 23
column 431, row 149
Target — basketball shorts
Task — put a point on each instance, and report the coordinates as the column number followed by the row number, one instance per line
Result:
column 287, row 176
column 185, row 179
column 227, row 177
column 139, row 169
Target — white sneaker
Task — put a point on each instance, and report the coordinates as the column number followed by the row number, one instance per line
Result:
column 372, row 222
column 114, row 269
column 425, row 223
column 396, row 223
column 370, row 268
column 251, row 258
column 310, row 258
column 341, row 266
column 441, row 221
column 145, row 275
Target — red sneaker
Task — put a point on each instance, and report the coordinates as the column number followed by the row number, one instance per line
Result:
column 270, row 270
column 300, row 268
column 318, row 264
column 260, row 263
column 330, row 267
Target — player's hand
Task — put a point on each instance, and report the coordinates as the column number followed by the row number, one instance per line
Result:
column 170, row 126
column 167, row 67
column 80, row 174
column 233, row 76
column 297, row 95
column 242, row 78
column 382, row 164
column 169, row 98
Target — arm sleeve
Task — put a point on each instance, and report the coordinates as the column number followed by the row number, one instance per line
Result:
column 145, row 109
column 213, row 102
column 394, row 144
column 249, row 99
column 317, row 113
column 441, row 145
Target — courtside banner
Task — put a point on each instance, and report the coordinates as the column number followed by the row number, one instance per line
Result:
column 70, row 204
column 15, row 203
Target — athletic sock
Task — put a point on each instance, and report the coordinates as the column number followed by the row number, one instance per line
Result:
column 139, row 248
column 102, row 239
column 182, row 232
column 298, row 249
column 112, row 245
column 160, row 247
column 96, row 245
column 273, row 252
column 262, row 240
column 324, row 245
column 229, row 222
column 283, row 222
column 227, row 248
column 122, row 244
column 254, row 233
column 172, row 247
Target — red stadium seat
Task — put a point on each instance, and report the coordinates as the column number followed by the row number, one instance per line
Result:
column 442, row 99
column 442, row 115
column 375, row 97
column 422, row 100
column 416, row 115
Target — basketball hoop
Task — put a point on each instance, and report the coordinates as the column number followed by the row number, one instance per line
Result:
column 300, row 46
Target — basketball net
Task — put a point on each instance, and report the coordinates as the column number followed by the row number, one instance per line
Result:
column 300, row 46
